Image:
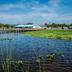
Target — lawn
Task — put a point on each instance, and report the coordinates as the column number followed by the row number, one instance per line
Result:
column 58, row 34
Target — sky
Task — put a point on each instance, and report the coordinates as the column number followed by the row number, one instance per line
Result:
column 35, row 11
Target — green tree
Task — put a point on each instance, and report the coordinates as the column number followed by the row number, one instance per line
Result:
column 7, row 25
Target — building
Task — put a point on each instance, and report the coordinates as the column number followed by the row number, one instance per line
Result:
column 65, row 28
column 55, row 28
column 37, row 26
column 29, row 25
column 70, row 27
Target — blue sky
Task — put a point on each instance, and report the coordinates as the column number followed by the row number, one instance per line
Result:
column 36, row 11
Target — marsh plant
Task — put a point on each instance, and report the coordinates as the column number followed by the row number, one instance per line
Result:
column 51, row 57
column 9, row 65
column 6, row 62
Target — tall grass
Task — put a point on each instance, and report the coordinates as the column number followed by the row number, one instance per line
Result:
column 9, row 65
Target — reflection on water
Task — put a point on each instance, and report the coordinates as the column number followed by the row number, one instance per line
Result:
column 26, row 48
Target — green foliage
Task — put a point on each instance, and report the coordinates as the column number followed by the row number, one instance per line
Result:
column 6, row 25
column 57, row 25
column 58, row 34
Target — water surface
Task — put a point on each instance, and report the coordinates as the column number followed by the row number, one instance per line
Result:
column 25, row 47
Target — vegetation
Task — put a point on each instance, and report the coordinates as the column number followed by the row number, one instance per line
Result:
column 41, row 61
column 46, row 24
column 58, row 34
column 6, row 26
column 9, row 65
column 58, row 25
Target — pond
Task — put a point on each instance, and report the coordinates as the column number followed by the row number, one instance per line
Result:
column 27, row 48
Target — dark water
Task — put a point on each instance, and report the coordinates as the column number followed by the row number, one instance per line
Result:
column 25, row 47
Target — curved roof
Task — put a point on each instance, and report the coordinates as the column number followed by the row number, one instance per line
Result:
column 24, row 25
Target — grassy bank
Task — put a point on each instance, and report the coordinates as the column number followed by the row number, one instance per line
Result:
column 59, row 34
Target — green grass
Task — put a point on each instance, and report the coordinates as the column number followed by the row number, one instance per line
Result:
column 58, row 34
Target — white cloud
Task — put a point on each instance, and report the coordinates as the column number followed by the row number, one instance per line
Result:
column 9, row 16
column 47, row 12
column 64, row 17
column 54, row 3
column 22, row 4
column 41, row 10
column 10, row 6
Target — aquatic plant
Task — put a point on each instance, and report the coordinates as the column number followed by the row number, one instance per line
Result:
column 6, row 63
column 51, row 57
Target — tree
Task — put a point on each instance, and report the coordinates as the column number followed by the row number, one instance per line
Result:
column 46, row 24
column 54, row 25
column 1, row 25
column 7, row 25
column 70, row 24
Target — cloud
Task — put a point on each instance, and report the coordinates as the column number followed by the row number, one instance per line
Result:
column 54, row 3
column 33, row 17
column 22, row 5
column 49, row 10
column 35, row 10
column 10, row 6
column 65, row 17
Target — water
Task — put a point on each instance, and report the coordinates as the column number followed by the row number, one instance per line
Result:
column 26, row 48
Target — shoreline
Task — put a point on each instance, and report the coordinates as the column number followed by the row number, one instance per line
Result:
column 56, row 34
